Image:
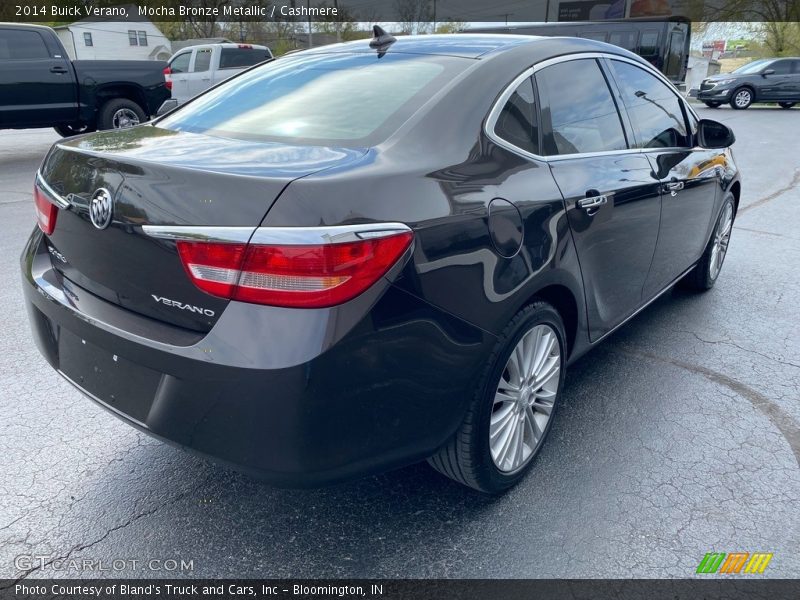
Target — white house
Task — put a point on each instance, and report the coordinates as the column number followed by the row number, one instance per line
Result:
column 114, row 39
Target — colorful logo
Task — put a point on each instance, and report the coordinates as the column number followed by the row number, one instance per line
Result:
column 722, row 563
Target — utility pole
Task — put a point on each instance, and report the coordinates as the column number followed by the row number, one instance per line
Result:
column 310, row 34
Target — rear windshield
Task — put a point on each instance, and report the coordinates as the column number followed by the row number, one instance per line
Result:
column 238, row 58
column 330, row 99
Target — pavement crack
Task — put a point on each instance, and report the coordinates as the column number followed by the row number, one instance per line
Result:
column 761, row 201
column 84, row 546
column 776, row 415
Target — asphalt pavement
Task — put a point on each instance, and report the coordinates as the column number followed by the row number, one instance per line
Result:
column 680, row 435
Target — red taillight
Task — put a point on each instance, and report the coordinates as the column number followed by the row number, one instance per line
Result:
column 245, row 46
column 46, row 211
column 301, row 276
column 168, row 71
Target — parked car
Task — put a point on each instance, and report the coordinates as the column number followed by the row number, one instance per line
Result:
column 362, row 256
column 765, row 80
column 41, row 87
column 195, row 69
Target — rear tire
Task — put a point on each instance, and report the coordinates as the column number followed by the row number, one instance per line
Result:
column 713, row 104
column 470, row 457
column 707, row 270
column 120, row 113
column 786, row 104
column 741, row 98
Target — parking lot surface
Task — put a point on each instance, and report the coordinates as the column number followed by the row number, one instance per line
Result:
column 680, row 435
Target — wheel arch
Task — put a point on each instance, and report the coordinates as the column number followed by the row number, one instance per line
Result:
column 122, row 90
column 564, row 300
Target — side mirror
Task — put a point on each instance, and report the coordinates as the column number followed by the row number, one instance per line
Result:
column 712, row 134
column 766, row 72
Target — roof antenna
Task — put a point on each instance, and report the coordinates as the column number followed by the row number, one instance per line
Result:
column 381, row 40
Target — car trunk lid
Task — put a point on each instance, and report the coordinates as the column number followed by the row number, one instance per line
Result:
column 161, row 177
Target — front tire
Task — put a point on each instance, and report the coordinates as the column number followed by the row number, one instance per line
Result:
column 512, row 410
column 786, row 105
column 120, row 113
column 706, row 271
column 742, row 98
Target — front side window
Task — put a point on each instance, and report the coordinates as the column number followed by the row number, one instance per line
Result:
column 87, row 39
column 781, row 67
column 202, row 60
column 22, row 45
column 132, row 39
column 583, row 115
column 655, row 110
column 516, row 123
column 180, row 64
column 353, row 100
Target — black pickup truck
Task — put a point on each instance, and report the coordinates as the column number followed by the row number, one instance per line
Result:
column 41, row 87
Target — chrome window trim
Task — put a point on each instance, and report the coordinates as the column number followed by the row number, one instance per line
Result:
column 55, row 196
column 284, row 236
column 491, row 120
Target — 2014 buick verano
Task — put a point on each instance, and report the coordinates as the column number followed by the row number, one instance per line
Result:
column 366, row 255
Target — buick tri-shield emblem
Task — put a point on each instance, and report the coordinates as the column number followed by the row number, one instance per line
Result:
column 100, row 208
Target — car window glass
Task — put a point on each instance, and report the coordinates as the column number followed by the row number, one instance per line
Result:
column 22, row 45
column 781, row 67
column 342, row 99
column 796, row 67
column 623, row 39
column 180, row 64
column 239, row 58
column 654, row 109
column 648, row 45
column 202, row 60
column 582, row 113
column 516, row 123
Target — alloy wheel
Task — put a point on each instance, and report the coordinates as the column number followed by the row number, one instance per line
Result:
column 125, row 118
column 525, row 398
column 722, row 237
column 743, row 98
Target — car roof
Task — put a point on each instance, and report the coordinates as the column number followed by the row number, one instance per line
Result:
column 467, row 45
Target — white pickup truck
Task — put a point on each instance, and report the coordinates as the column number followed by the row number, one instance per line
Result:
column 194, row 69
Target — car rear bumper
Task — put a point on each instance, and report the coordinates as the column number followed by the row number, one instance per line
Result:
column 296, row 397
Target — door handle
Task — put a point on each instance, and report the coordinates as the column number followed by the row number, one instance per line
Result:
column 673, row 187
column 592, row 204
column 58, row 69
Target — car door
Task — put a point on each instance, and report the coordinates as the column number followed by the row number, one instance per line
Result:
column 612, row 199
column 199, row 76
column 179, row 71
column 793, row 87
column 689, row 175
column 37, row 85
column 776, row 81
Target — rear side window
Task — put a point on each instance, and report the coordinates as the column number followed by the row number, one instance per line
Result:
column 330, row 99
column 180, row 64
column 655, row 111
column 202, row 60
column 239, row 58
column 583, row 116
column 516, row 123
column 22, row 45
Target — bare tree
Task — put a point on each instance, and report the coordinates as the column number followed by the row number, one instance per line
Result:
column 414, row 16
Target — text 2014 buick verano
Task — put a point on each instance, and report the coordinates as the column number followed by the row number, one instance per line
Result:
column 365, row 255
